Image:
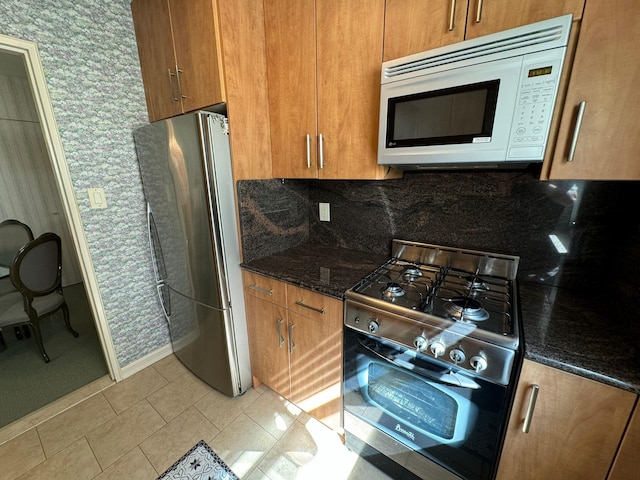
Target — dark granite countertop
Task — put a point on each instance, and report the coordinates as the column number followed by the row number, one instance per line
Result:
column 565, row 328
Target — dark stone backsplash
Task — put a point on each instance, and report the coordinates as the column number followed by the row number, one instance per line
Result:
column 500, row 211
column 274, row 216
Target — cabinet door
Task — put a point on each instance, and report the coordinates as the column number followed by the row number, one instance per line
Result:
column 267, row 328
column 627, row 463
column 349, row 41
column 575, row 427
column 316, row 367
column 197, row 45
column 157, row 57
column 413, row 26
column 604, row 78
column 491, row 16
column 291, row 72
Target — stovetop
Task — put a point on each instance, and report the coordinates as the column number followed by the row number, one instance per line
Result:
column 440, row 299
column 443, row 292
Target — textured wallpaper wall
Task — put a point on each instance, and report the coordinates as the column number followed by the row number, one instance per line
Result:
column 90, row 62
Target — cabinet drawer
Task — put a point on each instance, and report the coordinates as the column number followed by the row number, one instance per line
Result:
column 314, row 305
column 267, row 288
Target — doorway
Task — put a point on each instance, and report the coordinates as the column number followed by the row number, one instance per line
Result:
column 80, row 277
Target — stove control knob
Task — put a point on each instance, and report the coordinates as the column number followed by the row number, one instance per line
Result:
column 420, row 342
column 478, row 363
column 437, row 348
column 373, row 326
column 457, row 356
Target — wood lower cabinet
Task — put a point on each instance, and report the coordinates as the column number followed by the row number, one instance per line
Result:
column 575, row 427
column 324, row 61
column 627, row 462
column 603, row 94
column 295, row 337
column 413, row 26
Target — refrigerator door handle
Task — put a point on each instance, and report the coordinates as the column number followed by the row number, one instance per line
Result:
column 165, row 302
column 158, row 264
column 156, row 253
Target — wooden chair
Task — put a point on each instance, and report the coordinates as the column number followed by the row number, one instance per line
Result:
column 36, row 272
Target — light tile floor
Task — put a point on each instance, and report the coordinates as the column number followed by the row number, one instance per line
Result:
column 137, row 428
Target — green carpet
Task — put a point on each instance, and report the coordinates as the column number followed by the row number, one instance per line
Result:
column 27, row 383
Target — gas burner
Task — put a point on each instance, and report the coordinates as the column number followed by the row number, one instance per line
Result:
column 393, row 290
column 466, row 309
column 411, row 273
column 474, row 283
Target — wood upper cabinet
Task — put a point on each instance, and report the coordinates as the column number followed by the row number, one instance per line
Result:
column 180, row 56
column 323, row 65
column 627, row 462
column 602, row 91
column 575, row 427
column 197, row 53
column 491, row 16
column 295, row 338
column 413, row 26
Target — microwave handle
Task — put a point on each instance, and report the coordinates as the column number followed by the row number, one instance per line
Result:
column 576, row 131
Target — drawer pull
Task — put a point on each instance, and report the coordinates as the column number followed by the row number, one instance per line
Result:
column 532, row 405
column 260, row 289
column 280, row 337
column 319, row 310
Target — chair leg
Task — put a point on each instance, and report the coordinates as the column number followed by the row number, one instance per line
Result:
column 35, row 323
column 65, row 310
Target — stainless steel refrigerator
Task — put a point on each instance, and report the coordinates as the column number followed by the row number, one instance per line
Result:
column 185, row 164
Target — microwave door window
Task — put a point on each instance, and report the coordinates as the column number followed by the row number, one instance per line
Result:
column 449, row 116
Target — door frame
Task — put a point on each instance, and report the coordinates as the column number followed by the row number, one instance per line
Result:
column 44, row 107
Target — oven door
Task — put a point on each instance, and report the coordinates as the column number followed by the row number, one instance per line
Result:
column 440, row 422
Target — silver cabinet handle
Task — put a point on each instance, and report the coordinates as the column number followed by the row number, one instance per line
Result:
column 291, row 344
column 452, row 15
column 308, row 151
column 171, row 75
column 302, row 304
column 479, row 12
column 321, row 150
column 532, row 405
column 178, row 72
column 576, row 131
column 280, row 337
column 260, row 289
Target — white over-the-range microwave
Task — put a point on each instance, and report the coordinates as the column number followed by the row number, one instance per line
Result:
column 486, row 102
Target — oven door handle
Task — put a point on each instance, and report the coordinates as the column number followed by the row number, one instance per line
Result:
column 448, row 378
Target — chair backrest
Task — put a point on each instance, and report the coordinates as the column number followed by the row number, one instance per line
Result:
column 37, row 268
column 13, row 235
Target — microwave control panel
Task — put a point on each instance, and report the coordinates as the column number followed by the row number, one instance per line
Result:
column 532, row 116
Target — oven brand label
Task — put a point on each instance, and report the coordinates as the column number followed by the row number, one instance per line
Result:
column 407, row 433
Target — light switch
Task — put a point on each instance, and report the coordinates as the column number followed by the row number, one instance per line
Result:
column 97, row 198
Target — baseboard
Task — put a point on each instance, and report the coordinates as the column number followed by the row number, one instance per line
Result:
column 149, row 359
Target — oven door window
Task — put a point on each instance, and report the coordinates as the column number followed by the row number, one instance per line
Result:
column 457, row 115
column 421, row 404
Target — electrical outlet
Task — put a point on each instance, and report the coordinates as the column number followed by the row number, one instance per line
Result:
column 325, row 212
